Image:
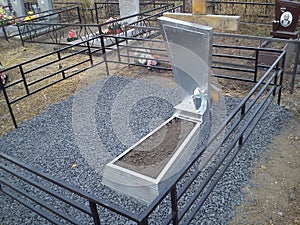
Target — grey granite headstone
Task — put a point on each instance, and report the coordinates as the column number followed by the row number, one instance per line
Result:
column 45, row 5
column 4, row 3
column 128, row 8
column 18, row 7
column 189, row 47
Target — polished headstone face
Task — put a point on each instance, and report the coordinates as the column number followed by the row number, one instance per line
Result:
column 45, row 5
column 18, row 7
column 128, row 8
column 286, row 19
column 4, row 3
column 189, row 48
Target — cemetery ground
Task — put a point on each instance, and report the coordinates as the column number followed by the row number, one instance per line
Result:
column 273, row 194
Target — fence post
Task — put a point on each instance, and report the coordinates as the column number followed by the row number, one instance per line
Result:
column 296, row 64
column 21, row 37
column 90, row 52
column 256, row 62
column 243, row 112
column 2, row 87
column 103, row 49
column 95, row 214
column 96, row 12
column 79, row 15
column 174, row 204
column 281, row 79
column 63, row 72
column 24, row 79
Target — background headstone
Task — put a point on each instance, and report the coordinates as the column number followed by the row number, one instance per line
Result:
column 4, row 3
column 45, row 5
column 286, row 19
column 18, row 7
column 128, row 8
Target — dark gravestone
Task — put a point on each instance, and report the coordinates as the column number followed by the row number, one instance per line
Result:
column 286, row 19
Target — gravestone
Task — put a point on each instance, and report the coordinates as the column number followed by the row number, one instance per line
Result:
column 135, row 172
column 286, row 19
column 18, row 7
column 45, row 5
column 128, row 8
column 4, row 3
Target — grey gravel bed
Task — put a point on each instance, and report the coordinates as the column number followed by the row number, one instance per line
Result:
column 75, row 138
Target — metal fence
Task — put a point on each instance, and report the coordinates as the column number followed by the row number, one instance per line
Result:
column 257, row 12
column 267, row 85
column 238, row 126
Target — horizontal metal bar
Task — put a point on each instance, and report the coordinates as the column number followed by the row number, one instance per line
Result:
column 57, row 72
column 233, row 56
column 214, row 63
column 233, row 78
column 260, row 111
column 187, row 184
column 169, row 218
column 233, row 69
column 241, row 3
column 114, row 208
column 45, row 189
column 137, row 57
column 34, row 209
column 40, row 202
column 139, row 47
column 249, row 37
column 260, row 92
column 41, row 66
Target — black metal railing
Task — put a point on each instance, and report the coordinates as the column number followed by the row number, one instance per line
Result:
column 54, row 68
column 57, row 33
column 237, row 128
column 64, row 14
column 250, row 12
column 234, row 132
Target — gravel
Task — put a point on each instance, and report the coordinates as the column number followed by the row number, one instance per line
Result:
column 74, row 139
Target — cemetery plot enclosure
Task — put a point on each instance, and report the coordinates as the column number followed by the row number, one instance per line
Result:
column 239, row 125
column 237, row 62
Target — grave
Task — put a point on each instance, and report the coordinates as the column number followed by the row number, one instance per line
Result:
column 45, row 5
column 199, row 16
column 144, row 169
column 18, row 10
column 286, row 19
column 18, row 7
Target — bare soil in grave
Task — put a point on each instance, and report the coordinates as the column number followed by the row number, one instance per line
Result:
column 274, row 191
column 152, row 155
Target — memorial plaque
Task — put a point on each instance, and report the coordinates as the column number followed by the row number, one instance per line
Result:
column 286, row 19
column 128, row 8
